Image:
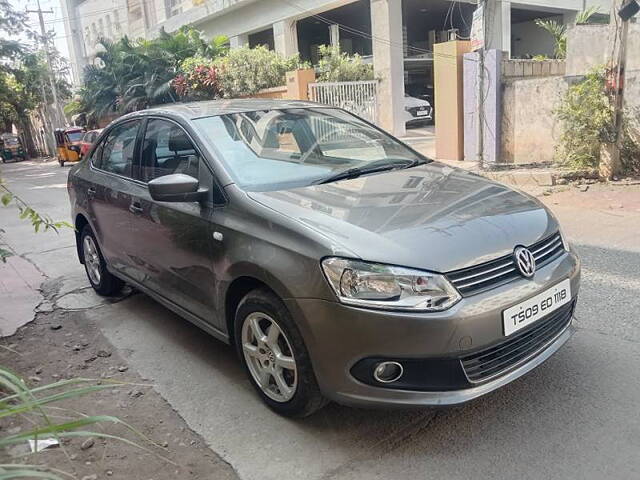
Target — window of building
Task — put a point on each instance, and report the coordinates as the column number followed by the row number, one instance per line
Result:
column 94, row 34
column 116, row 21
column 109, row 27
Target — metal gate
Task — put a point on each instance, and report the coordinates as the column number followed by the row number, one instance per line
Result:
column 356, row 97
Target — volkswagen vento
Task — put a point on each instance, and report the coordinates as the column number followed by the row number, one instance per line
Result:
column 340, row 263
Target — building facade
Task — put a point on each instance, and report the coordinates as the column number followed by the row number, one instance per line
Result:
column 396, row 35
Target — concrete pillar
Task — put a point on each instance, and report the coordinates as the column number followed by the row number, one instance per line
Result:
column 74, row 40
column 334, row 35
column 285, row 37
column 498, row 26
column 388, row 63
column 298, row 83
column 492, row 107
column 239, row 41
column 447, row 70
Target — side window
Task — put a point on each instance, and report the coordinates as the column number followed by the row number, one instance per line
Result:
column 167, row 149
column 96, row 157
column 118, row 148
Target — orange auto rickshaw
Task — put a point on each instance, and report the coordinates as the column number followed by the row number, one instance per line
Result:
column 68, row 143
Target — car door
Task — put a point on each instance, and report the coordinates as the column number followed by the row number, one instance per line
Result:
column 109, row 194
column 173, row 239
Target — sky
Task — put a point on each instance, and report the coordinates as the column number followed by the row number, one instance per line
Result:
column 52, row 21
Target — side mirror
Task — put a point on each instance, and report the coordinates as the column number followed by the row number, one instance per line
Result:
column 176, row 187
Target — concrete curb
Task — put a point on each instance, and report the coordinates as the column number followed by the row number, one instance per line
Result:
column 526, row 177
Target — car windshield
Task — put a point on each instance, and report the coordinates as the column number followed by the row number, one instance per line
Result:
column 269, row 150
column 75, row 136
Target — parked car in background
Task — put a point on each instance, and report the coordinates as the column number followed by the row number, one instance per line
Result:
column 339, row 262
column 421, row 91
column 417, row 111
column 88, row 140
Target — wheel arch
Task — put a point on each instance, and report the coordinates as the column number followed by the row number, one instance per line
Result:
column 79, row 223
column 236, row 291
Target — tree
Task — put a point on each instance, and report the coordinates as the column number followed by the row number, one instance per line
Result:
column 338, row 66
column 558, row 30
column 24, row 75
column 11, row 21
column 246, row 71
column 131, row 75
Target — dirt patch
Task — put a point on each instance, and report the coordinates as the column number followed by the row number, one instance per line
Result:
column 63, row 344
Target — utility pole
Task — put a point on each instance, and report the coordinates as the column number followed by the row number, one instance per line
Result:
column 621, row 12
column 57, row 115
column 46, row 117
column 479, row 121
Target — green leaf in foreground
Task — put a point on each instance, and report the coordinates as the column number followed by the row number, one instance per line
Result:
column 21, row 400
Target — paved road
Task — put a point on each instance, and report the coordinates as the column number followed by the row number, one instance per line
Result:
column 575, row 417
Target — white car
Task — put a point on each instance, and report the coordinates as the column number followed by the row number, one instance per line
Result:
column 417, row 111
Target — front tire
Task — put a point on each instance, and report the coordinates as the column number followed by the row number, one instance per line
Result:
column 275, row 357
column 102, row 281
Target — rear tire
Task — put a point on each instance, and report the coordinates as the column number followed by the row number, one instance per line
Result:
column 102, row 281
column 61, row 162
column 279, row 359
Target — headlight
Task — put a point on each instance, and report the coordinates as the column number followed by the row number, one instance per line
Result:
column 384, row 286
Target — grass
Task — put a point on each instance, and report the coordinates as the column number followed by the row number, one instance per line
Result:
column 38, row 406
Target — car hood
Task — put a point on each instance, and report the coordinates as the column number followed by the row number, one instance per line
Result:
column 432, row 217
column 410, row 102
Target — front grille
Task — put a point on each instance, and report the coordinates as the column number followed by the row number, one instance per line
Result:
column 414, row 111
column 494, row 361
column 479, row 278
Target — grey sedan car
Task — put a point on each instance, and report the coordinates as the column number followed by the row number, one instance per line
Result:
column 340, row 263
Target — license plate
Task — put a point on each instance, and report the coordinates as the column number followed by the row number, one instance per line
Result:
column 422, row 113
column 525, row 313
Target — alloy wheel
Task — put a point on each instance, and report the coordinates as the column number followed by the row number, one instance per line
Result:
column 269, row 357
column 92, row 260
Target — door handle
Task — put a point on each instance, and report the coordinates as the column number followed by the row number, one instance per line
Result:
column 135, row 207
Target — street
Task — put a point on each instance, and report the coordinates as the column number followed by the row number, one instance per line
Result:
column 577, row 416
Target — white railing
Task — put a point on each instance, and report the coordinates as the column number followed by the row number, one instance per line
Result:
column 356, row 97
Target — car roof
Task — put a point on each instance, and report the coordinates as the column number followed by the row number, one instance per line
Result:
column 209, row 108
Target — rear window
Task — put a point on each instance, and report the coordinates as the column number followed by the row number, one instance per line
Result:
column 75, row 136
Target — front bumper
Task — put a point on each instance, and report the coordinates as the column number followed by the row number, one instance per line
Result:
column 419, row 120
column 338, row 337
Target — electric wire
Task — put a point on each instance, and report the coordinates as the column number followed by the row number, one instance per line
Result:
column 365, row 35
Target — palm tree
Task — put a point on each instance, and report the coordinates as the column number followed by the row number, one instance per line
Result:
column 559, row 30
column 131, row 75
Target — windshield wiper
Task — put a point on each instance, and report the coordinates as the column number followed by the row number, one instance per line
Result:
column 417, row 161
column 373, row 167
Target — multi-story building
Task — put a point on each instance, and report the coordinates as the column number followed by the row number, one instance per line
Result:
column 397, row 34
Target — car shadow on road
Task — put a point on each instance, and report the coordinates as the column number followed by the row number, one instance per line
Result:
column 551, row 418
column 202, row 378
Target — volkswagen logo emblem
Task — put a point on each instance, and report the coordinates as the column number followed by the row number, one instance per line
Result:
column 525, row 261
